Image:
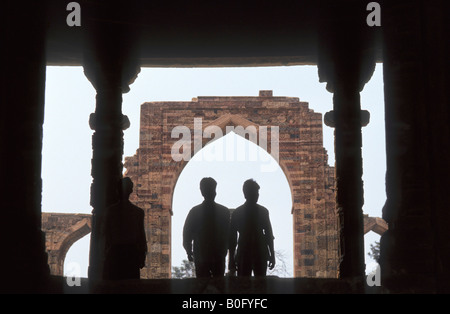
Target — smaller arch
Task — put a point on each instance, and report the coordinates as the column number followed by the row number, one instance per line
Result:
column 375, row 224
column 61, row 232
column 76, row 232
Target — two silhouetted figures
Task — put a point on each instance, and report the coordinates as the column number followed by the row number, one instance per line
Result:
column 209, row 227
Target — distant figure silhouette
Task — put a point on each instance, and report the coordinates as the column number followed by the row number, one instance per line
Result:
column 207, row 226
column 125, row 241
column 255, row 244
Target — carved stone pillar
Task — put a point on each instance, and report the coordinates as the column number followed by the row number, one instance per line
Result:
column 107, row 152
column 111, row 66
column 349, row 186
column 346, row 63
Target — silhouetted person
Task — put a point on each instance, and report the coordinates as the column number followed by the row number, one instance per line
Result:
column 205, row 233
column 125, row 241
column 251, row 231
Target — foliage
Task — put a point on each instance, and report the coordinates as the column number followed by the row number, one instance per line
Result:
column 280, row 268
column 375, row 254
column 186, row 270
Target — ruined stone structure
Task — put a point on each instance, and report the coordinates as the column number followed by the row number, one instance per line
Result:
column 375, row 224
column 118, row 37
column 301, row 156
column 61, row 231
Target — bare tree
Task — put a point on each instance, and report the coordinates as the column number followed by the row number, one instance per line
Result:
column 186, row 270
column 375, row 254
column 280, row 268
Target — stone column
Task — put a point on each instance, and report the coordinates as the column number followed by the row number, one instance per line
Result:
column 107, row 151
column 111, row 65
column 347, row 118
column 415, row 251
column 22, row 95
column 346, row 63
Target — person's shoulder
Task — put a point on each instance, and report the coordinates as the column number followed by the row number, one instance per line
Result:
column 238, row 211
column 137, row 209
column 223, row 210
column 221, row 207
column 196, row 209
column 262, row 208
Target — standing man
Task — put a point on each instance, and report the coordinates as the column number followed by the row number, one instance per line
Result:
column 255, row 241
column 205, row 233
column 125, row 240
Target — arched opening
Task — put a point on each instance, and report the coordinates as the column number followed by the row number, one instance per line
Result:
column 76, row 261
column 372, row 247
column 231, row 160
column 72, row 252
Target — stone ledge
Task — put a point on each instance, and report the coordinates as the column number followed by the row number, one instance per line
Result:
column 226, row 285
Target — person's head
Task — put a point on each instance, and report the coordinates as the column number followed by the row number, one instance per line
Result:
column 251, row 191
column 125, row 187
column 208, row 188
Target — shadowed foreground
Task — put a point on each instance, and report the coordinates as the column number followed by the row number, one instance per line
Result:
column 226, row 285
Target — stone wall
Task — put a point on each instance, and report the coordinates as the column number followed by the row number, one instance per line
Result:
column 301, row 156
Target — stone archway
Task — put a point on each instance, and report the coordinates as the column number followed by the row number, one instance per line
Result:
column 242, row 127
column 300, row 154
column 375, row 224
column 61, row 231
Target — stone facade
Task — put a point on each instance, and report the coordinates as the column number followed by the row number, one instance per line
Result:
column 301, row 156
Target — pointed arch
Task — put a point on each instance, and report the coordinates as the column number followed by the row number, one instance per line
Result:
column 230, row 172
column 223, row 122
column 75, row 233
column 61, row 232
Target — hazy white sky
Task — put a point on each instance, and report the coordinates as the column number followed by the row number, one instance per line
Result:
column 70, row 98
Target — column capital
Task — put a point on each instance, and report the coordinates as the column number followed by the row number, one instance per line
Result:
column 111, row 75
column 111, row 49
column 124, row 122
column 346, row 46
column 329, row 118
